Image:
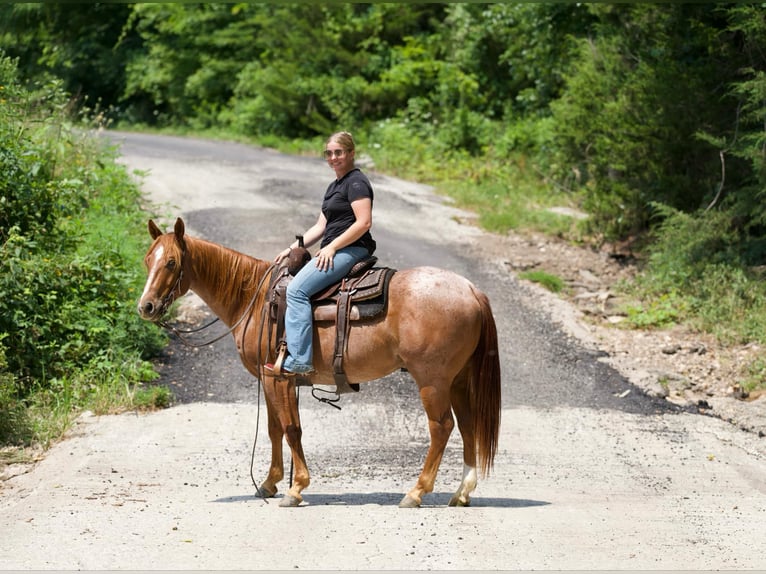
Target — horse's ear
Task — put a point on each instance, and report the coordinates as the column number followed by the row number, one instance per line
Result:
column 179, row 231
column 154, row 231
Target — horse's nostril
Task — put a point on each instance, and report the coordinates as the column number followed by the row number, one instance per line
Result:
column 146, row 309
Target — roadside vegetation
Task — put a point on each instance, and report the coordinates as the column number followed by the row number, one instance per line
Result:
column 647, row 117
column 72, row 238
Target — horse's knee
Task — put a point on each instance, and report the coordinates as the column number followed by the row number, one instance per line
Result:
column 293, row 433
column 276, row 433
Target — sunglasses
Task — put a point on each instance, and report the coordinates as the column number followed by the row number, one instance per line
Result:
column 328, row 153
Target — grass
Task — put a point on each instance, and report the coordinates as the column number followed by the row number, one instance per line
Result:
column 754, row 376
column 15, row 455
column 550, row 282
column 112, row 386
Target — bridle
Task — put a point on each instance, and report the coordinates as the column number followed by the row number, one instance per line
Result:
column 175, row 292
column 170, row 298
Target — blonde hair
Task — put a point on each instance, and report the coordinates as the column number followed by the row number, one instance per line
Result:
column 344, row 139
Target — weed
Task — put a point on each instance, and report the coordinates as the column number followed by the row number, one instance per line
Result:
column 152, row 398
column 755, row 376
column 550, row 282
column 663, row 311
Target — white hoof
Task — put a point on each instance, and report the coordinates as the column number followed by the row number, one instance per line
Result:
column 289, row 501
column 457, row 500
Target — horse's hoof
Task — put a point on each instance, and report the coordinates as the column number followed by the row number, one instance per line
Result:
column 409, row 502
column 266, row 492
column 289, row 501
column 459, row 501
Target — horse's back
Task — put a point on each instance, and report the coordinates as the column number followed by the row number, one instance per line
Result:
column 431, row 288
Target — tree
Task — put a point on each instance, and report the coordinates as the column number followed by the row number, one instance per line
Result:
column 81, row 44
column 652, row 77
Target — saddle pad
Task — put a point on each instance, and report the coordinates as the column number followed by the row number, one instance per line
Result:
column 366, row 286
column 369, row 300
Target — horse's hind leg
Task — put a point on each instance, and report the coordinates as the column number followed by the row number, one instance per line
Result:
column 461, row 405
column 436, row 402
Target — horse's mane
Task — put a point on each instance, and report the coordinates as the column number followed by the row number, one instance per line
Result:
column 235, row 275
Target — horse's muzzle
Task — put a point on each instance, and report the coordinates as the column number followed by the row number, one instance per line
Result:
column 148, row 310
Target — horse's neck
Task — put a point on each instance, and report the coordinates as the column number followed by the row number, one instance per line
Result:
column 224, row 279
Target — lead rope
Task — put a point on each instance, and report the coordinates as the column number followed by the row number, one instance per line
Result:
column 258, row 490
column 179, row 333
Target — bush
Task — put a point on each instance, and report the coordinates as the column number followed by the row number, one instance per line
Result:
column 14, row 425
column 71, row 244
column 635, row 100
column 697, row 272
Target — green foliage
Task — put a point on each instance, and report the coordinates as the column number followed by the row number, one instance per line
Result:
column 663, row 310
column 633, row 103
column 151, row 398
column 746, row 140
column 755, row 376
column 14, row 423
column 550, row 282
column 696, row 272
column 81, row 45
column 503, row 187
column 517, row 52
column 70, row 254
column 32, row 200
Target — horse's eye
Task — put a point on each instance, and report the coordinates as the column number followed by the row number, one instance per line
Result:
column 171, row 265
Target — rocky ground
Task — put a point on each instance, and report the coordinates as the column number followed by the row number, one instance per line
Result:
column 685, row 367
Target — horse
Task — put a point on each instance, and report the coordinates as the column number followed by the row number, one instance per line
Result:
column 437, row 326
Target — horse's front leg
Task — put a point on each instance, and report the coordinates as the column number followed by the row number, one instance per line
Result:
column 288, row 424
column 277, row 468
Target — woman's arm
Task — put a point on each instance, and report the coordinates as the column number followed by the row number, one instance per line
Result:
column 310, row 236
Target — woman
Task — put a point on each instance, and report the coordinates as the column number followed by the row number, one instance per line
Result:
column 343, row 226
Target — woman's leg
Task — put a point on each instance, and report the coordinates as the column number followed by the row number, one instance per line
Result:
column 298, row 315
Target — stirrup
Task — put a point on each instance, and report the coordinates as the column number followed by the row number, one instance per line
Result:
column 281, row 354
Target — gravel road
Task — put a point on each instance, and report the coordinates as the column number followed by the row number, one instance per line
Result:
column 590, row 474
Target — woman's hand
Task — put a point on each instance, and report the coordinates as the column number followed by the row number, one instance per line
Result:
column 324, row 258
column 281, row 255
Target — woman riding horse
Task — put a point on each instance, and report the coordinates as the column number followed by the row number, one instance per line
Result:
column 343, row 226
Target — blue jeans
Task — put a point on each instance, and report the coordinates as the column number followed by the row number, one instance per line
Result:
column 298, row 315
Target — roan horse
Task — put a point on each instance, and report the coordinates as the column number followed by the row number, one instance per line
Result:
column 438, row 326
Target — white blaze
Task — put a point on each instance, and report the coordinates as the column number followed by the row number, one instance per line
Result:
column 158, row 253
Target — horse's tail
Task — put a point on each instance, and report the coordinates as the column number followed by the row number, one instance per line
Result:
column 485, row 387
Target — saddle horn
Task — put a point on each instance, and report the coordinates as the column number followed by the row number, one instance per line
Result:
column 298, row 257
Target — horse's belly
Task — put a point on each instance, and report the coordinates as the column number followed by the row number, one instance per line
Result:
column 371, row 352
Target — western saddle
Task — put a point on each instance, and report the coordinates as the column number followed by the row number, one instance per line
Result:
column 361, row 295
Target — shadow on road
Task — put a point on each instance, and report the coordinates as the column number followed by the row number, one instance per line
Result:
column 437, row 499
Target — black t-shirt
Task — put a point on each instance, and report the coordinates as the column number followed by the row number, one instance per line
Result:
column 336, row 207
